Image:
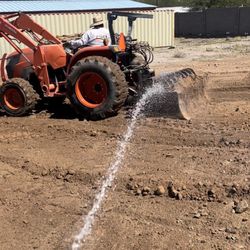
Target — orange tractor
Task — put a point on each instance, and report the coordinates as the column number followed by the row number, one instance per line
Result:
column 96, row 80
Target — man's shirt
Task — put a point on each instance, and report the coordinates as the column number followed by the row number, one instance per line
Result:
column 92, row 37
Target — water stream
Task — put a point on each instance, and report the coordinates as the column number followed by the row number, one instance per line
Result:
column 153, row 92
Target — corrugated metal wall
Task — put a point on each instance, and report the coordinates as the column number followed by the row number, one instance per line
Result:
column 158, row 31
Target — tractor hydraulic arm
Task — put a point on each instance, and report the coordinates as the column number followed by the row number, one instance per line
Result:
column 7, row 29
column 24, row 22
column 15, row 25
column 47, row 49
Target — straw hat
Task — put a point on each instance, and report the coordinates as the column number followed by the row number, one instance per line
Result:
column 97, row 20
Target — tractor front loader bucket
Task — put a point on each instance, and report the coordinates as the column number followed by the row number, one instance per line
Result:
column 184, row 91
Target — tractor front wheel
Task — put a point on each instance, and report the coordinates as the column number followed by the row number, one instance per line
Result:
column 97, row 87
column 17, row 97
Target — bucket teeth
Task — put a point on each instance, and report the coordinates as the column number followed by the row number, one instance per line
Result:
column 185, row 73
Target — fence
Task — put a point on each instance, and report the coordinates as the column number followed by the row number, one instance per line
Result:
column 159, row 31
column 213, row 22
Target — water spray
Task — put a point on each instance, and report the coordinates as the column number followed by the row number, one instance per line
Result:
column 114, row 166
column 164, row 87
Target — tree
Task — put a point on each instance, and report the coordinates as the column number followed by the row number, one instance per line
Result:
column 220, row 3
column 198, row 3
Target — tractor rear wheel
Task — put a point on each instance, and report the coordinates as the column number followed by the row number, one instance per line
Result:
column 97, row 88
column 18, row 97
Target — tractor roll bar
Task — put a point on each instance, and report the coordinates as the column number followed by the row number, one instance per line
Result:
column 131, row 18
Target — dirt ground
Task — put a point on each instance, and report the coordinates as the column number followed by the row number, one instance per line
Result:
column 52, row 165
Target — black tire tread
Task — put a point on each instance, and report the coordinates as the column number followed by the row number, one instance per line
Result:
column 32, row 97
column 118, row 79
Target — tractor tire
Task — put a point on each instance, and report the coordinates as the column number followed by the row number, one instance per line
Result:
column 97, row 88
column 18, row 97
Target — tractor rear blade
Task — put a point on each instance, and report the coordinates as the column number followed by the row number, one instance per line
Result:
column 184, row 91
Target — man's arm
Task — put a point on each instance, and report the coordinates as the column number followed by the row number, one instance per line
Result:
column 80, row 42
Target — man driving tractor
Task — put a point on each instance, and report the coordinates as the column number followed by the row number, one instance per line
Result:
column 97, row 35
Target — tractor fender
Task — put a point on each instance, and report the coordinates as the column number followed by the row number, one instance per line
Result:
column 103, row 51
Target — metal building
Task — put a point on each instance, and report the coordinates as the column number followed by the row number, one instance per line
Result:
column 68, row 17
